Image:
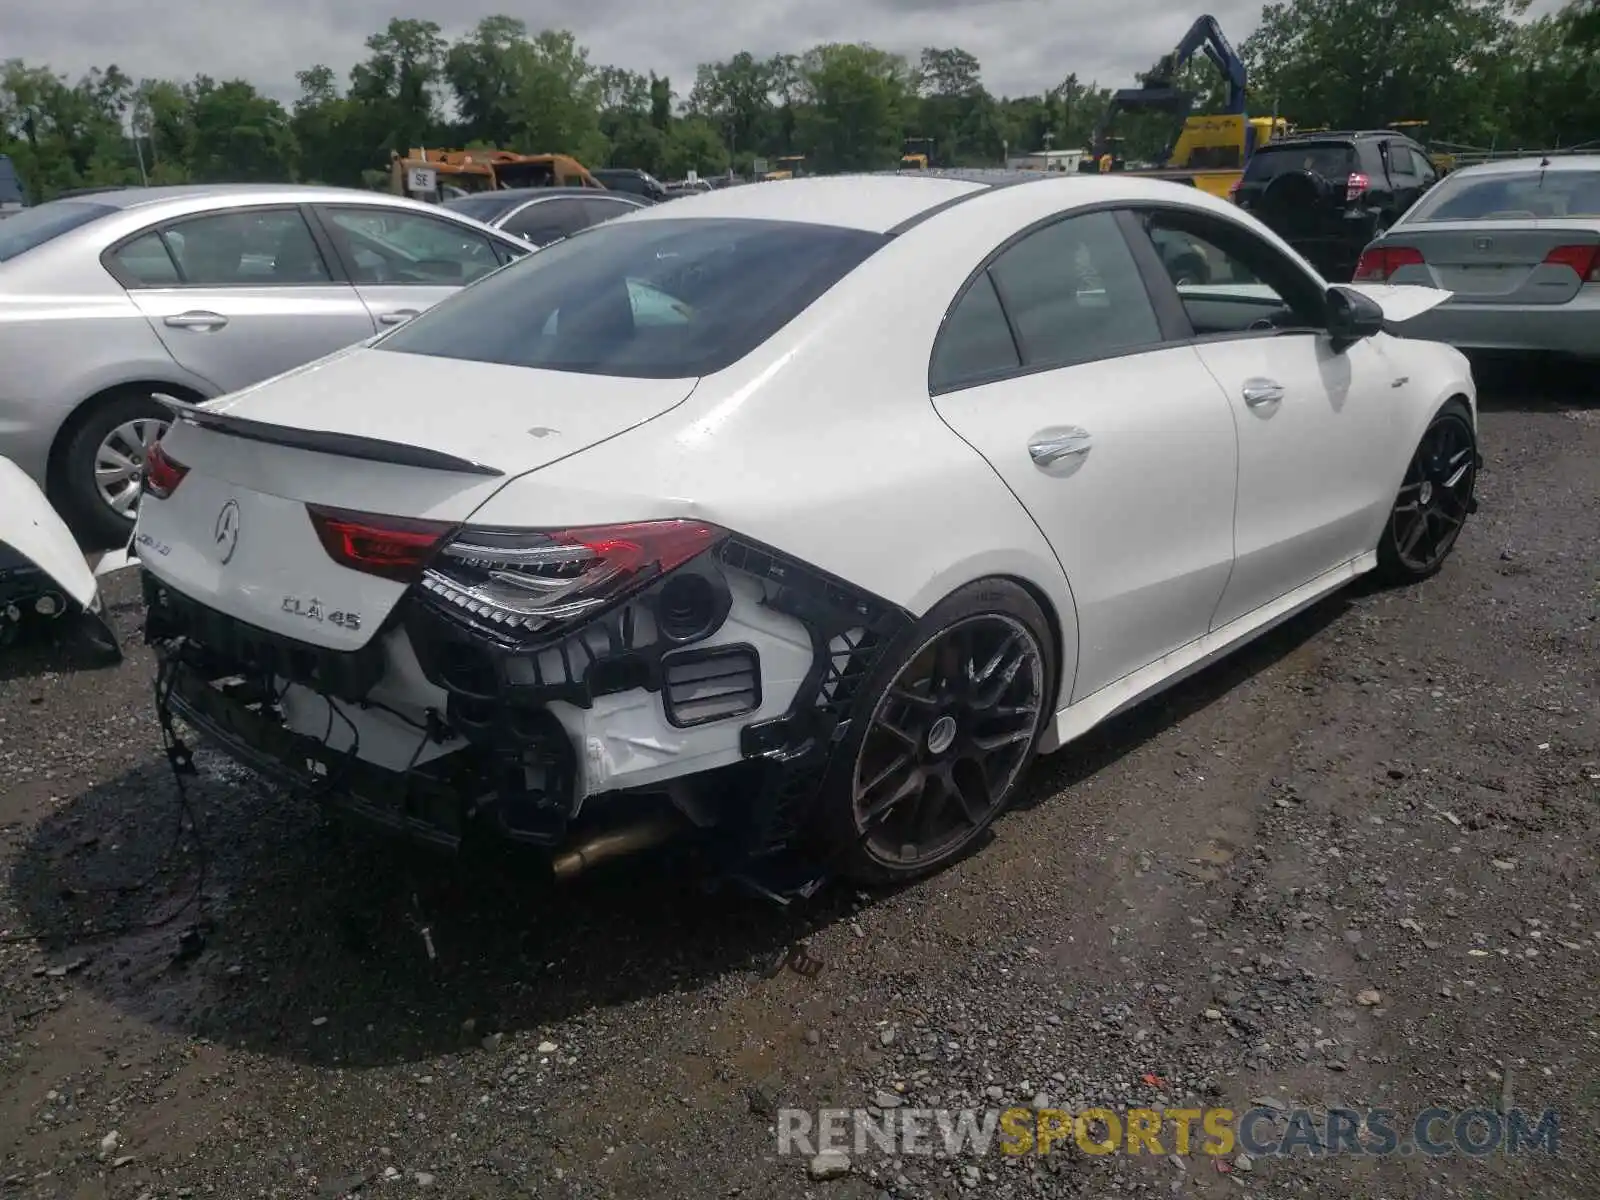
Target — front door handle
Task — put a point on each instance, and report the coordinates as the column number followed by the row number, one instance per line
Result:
column 1257, row 392
column 1052, row 445
column 203, row 322
column 398, row 317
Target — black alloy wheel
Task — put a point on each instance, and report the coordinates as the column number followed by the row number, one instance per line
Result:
column 1435, row 498
column 951, row 731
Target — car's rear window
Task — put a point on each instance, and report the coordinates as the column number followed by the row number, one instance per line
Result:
column 1329, row 159
column 484, row 208
column 35, row 226
column 663, row 299
column 1521, row 195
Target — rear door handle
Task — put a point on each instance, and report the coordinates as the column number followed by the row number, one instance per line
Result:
column 398, row 317
column 1257, row 392
column 204, row 322
column 1051, row 445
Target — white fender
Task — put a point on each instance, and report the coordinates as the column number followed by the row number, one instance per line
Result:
column 32, row 528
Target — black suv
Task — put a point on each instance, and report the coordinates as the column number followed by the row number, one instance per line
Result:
column 1329, row 194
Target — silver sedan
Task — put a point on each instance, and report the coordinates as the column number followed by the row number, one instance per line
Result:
column 194, row 292
column 1518, row 242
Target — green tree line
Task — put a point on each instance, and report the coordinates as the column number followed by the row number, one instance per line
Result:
column 1476, row 70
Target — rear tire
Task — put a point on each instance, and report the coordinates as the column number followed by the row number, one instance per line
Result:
column 1435, row 498
column 945, row 729
column 101, row 463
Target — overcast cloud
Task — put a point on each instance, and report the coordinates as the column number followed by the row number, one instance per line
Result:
column 1024, row 45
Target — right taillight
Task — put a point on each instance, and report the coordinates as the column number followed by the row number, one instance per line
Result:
column 1584, row 260
column 1380, row 262
column 162, row 473
column 530, row 582
column 1355, row 186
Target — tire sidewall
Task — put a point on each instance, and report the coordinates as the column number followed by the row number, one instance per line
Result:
column 1389, row 562
column 91, row 518
column 835, row 828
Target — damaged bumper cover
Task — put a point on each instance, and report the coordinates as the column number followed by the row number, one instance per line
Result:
column 518, row 769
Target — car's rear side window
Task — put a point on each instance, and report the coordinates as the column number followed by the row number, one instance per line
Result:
column 1328, row 159
column 650, row 299
column 35, row 226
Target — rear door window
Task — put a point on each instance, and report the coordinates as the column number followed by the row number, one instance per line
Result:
column 1074, row 293
column 666, row 299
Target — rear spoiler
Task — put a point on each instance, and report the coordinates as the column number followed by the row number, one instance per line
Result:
column 345, row 445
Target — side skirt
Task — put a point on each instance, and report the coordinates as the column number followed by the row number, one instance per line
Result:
column 1077, row 719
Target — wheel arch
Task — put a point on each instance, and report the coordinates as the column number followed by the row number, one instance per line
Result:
column 1055, row 601
column 82, row 410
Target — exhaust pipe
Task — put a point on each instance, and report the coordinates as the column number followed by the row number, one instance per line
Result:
column 616, row 843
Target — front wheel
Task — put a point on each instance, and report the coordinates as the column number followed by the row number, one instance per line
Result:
column 1435, row 498
column 947, row 729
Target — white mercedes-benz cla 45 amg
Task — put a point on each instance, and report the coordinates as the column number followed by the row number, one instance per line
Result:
column 797, row 518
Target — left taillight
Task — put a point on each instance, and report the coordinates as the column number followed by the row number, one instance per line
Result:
column 394, row 548
column 536, row 582
column 162, row 473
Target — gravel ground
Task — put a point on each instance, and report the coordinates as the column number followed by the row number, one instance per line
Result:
column 1355, row 865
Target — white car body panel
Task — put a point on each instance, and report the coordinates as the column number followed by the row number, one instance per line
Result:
column 1194, row 523
column 1400, row 302
column 30, row 526
column 1165, row 466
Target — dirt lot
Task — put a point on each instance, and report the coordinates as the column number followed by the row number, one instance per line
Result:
column 1356, row 865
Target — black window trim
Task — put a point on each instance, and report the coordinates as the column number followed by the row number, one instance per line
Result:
column 1172, row 325
column 1160, row 283
column 505, row 248
column 337, row 275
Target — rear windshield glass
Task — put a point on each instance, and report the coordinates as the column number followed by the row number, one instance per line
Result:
column 664, row 299
column 484, row 208
column 1529, row 195
column 35, row 226
column 1331, row 160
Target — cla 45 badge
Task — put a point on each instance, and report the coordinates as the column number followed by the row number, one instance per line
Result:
column 312, row 610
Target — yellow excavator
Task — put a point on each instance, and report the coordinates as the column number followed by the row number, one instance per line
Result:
column 1211, row 149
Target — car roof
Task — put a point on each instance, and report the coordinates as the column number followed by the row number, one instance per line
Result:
column 533, row 193
column 887, row 201
column 137, row 197
column 1336, row 135
column 1534, row 162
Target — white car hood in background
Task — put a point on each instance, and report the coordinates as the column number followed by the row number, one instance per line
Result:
column 1401, row 301
column 32, row 528
column 513, row 419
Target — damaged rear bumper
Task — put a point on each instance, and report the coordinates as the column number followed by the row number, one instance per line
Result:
column 514, row 766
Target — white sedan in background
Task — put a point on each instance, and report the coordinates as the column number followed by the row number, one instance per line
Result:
column 799, row 516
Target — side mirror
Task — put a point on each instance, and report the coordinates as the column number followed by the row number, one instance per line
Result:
column 1352, row 316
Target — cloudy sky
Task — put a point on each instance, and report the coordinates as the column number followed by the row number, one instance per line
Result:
column 1025, row 45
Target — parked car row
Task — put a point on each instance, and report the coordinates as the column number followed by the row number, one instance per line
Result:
column 1516, row 242
column 109, row 298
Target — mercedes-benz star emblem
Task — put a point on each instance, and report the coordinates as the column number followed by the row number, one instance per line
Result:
column 227, row 531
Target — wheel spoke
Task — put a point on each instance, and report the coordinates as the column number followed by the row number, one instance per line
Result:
column 912, row 785
column 947, row 740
